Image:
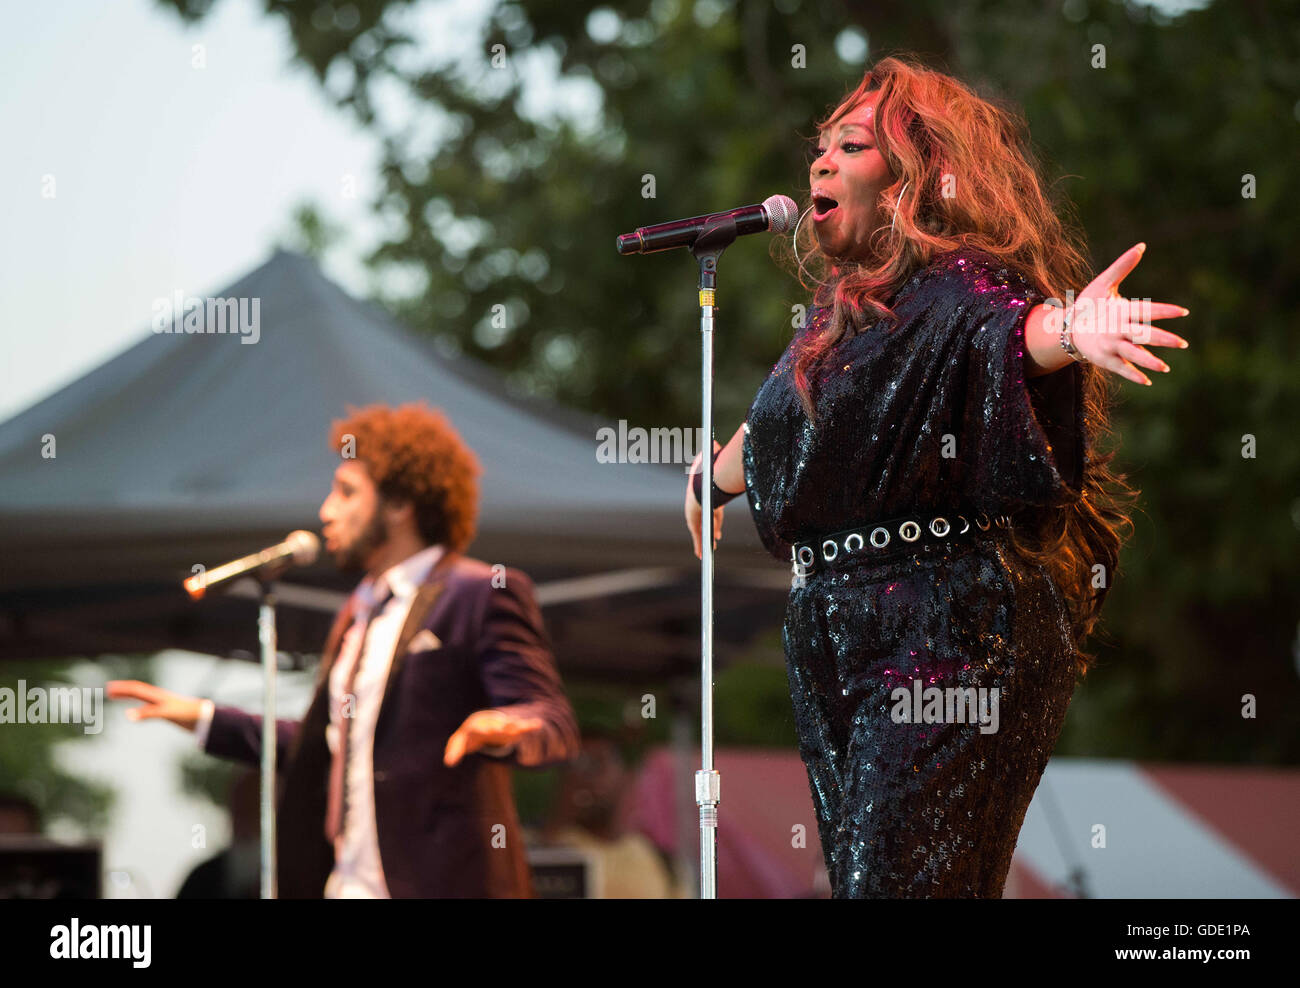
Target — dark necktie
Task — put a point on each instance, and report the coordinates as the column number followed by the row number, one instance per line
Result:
column 335, row 807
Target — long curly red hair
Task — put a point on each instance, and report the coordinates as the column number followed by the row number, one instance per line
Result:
column 929, row 126
column 413, row 454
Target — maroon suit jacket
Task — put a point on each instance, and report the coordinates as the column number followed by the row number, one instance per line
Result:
column 437, row 826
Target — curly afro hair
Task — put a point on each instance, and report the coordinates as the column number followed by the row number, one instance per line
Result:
column 413, row 454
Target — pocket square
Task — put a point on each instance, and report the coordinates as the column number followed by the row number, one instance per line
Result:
column 424, row 641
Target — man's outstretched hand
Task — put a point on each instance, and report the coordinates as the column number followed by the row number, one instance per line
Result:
column 487, row 729
column 180, row 710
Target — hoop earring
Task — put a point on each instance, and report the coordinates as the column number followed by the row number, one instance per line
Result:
column 795, row 244
column 894, row 222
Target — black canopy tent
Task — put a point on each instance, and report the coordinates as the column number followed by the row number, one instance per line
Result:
column 195, row 448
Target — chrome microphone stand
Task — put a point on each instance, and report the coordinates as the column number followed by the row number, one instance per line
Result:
column 716, row 237
column 708, row 236
column 267, row 639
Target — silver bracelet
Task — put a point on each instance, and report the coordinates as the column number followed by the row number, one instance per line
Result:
column 1067, row 343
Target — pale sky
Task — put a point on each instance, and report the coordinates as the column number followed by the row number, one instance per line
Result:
column 165, row 176
column 168, row 174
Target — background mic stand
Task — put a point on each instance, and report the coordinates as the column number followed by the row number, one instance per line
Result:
column 267, row 639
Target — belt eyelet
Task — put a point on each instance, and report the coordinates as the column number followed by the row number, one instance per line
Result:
column 848, row 543
column 830, row 549
column 983, row 525
column 809, row 559
column 965, row 524
column 911, row 526
column 880, row 531
column 934, row 529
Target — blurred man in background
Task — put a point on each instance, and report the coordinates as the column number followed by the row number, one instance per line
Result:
column 436, row 678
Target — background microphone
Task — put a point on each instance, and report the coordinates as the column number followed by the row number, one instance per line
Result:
column 777, row 214
column 298, row 549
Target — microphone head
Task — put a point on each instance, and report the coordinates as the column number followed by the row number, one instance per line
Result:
column 305, row 546
column 782, row 213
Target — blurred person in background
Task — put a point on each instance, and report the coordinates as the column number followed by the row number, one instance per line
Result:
column 18, row 815
column 436, row 678
column 590, row 815
column 234, row 872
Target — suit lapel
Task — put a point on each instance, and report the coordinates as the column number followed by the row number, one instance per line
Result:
column 334, row 640
column 421, row 606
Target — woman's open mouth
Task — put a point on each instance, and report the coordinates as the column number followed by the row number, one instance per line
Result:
column 823, row 206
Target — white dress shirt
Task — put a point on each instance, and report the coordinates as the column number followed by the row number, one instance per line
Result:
column 358, row 872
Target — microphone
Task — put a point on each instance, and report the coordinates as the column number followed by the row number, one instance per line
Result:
column 777, row 214
column 298, row 549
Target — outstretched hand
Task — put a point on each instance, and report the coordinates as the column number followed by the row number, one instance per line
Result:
column 487, row 728
column 1108, row 328
column 182, row 711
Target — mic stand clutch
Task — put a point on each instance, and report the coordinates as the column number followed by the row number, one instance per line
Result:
column 716, row 237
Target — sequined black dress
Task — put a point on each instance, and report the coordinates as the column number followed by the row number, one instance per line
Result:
column 922, row 809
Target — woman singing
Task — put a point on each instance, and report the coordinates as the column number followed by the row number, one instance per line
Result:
column 924, row 455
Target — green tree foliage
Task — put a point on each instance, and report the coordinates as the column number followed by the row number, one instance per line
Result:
column 510, row 165
column 30, row 766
